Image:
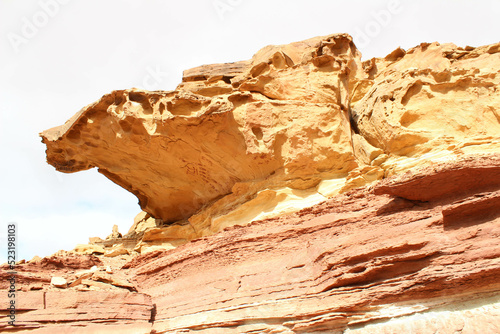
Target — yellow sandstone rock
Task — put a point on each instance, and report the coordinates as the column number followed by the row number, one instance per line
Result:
column 89, row 249
column 432, row 98
column 115, row 234
column 116, row 251
column 285, row 130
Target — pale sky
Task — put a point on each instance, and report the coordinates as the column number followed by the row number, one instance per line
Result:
column 57, row 56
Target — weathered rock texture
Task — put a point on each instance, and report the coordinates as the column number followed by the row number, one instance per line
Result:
column 222, row 159
column 400, row 256
column 352, row 261
column 97, row 299
column 291, row 127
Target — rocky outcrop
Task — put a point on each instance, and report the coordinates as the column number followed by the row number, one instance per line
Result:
column 350, row 264
column 300, row 191
column 263, row 141
column 432, row 100
column 290, row 128
column 80, row 312
column 399, row 256
column 68, row 293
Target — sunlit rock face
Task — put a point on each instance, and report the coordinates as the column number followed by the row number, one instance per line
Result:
column 417, row 252
column 285, row 130
column 432, row 99
column 301, row 191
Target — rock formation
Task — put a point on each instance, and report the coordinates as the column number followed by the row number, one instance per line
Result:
column 415, row 253
column 291, row 127
column 300, row 191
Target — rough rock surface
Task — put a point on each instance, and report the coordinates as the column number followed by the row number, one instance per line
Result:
column 359, row 259
column 291, row 127
column 179, row 151
column 97, row 299
column 219, row 165
column 80, row 312
column 399, row 256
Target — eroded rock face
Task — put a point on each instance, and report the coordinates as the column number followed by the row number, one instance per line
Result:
column 399, row 256
column 178, row 151
column 80, row 312
column 287, row 129
column 222, row 159
column 432, row 98
column 75, row 293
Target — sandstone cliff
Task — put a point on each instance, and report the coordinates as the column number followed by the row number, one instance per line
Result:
column 264, row 204
column 416, row 253
column 291, row 127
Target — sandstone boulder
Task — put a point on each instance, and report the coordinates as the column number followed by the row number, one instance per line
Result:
column 116, row 251
column 59, row 282
column 89, row 249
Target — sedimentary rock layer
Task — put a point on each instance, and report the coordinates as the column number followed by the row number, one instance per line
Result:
column 80, row 312
column 94, row 302
column 217, row 164
column 287, row 129
column 387, row 258
column 350, row 262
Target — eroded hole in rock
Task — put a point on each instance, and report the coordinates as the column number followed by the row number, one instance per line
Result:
column 353, row 123
column 125, row 125
column 257, row 132
column 137, row 97
column 358, row 269
column 74, row 136
column 259, row 69
column 143, row 100
column 118, row 100
column 161, row 108
column 412, row 91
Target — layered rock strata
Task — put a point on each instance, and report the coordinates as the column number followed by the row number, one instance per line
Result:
column 415, row 253
column 220, row 164
column 347, row 265
column 93, row 296
column 285, row 130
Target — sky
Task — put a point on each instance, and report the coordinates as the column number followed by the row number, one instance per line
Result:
column 57, row 56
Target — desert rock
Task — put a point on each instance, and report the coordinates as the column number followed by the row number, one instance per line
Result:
column 81, row 312
column 59, row 282
column 116, row 251
column 353, row 262
column 287, row 129
column 380, row 259
column 301, row 191
column 115, row 234
column 89, row 249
